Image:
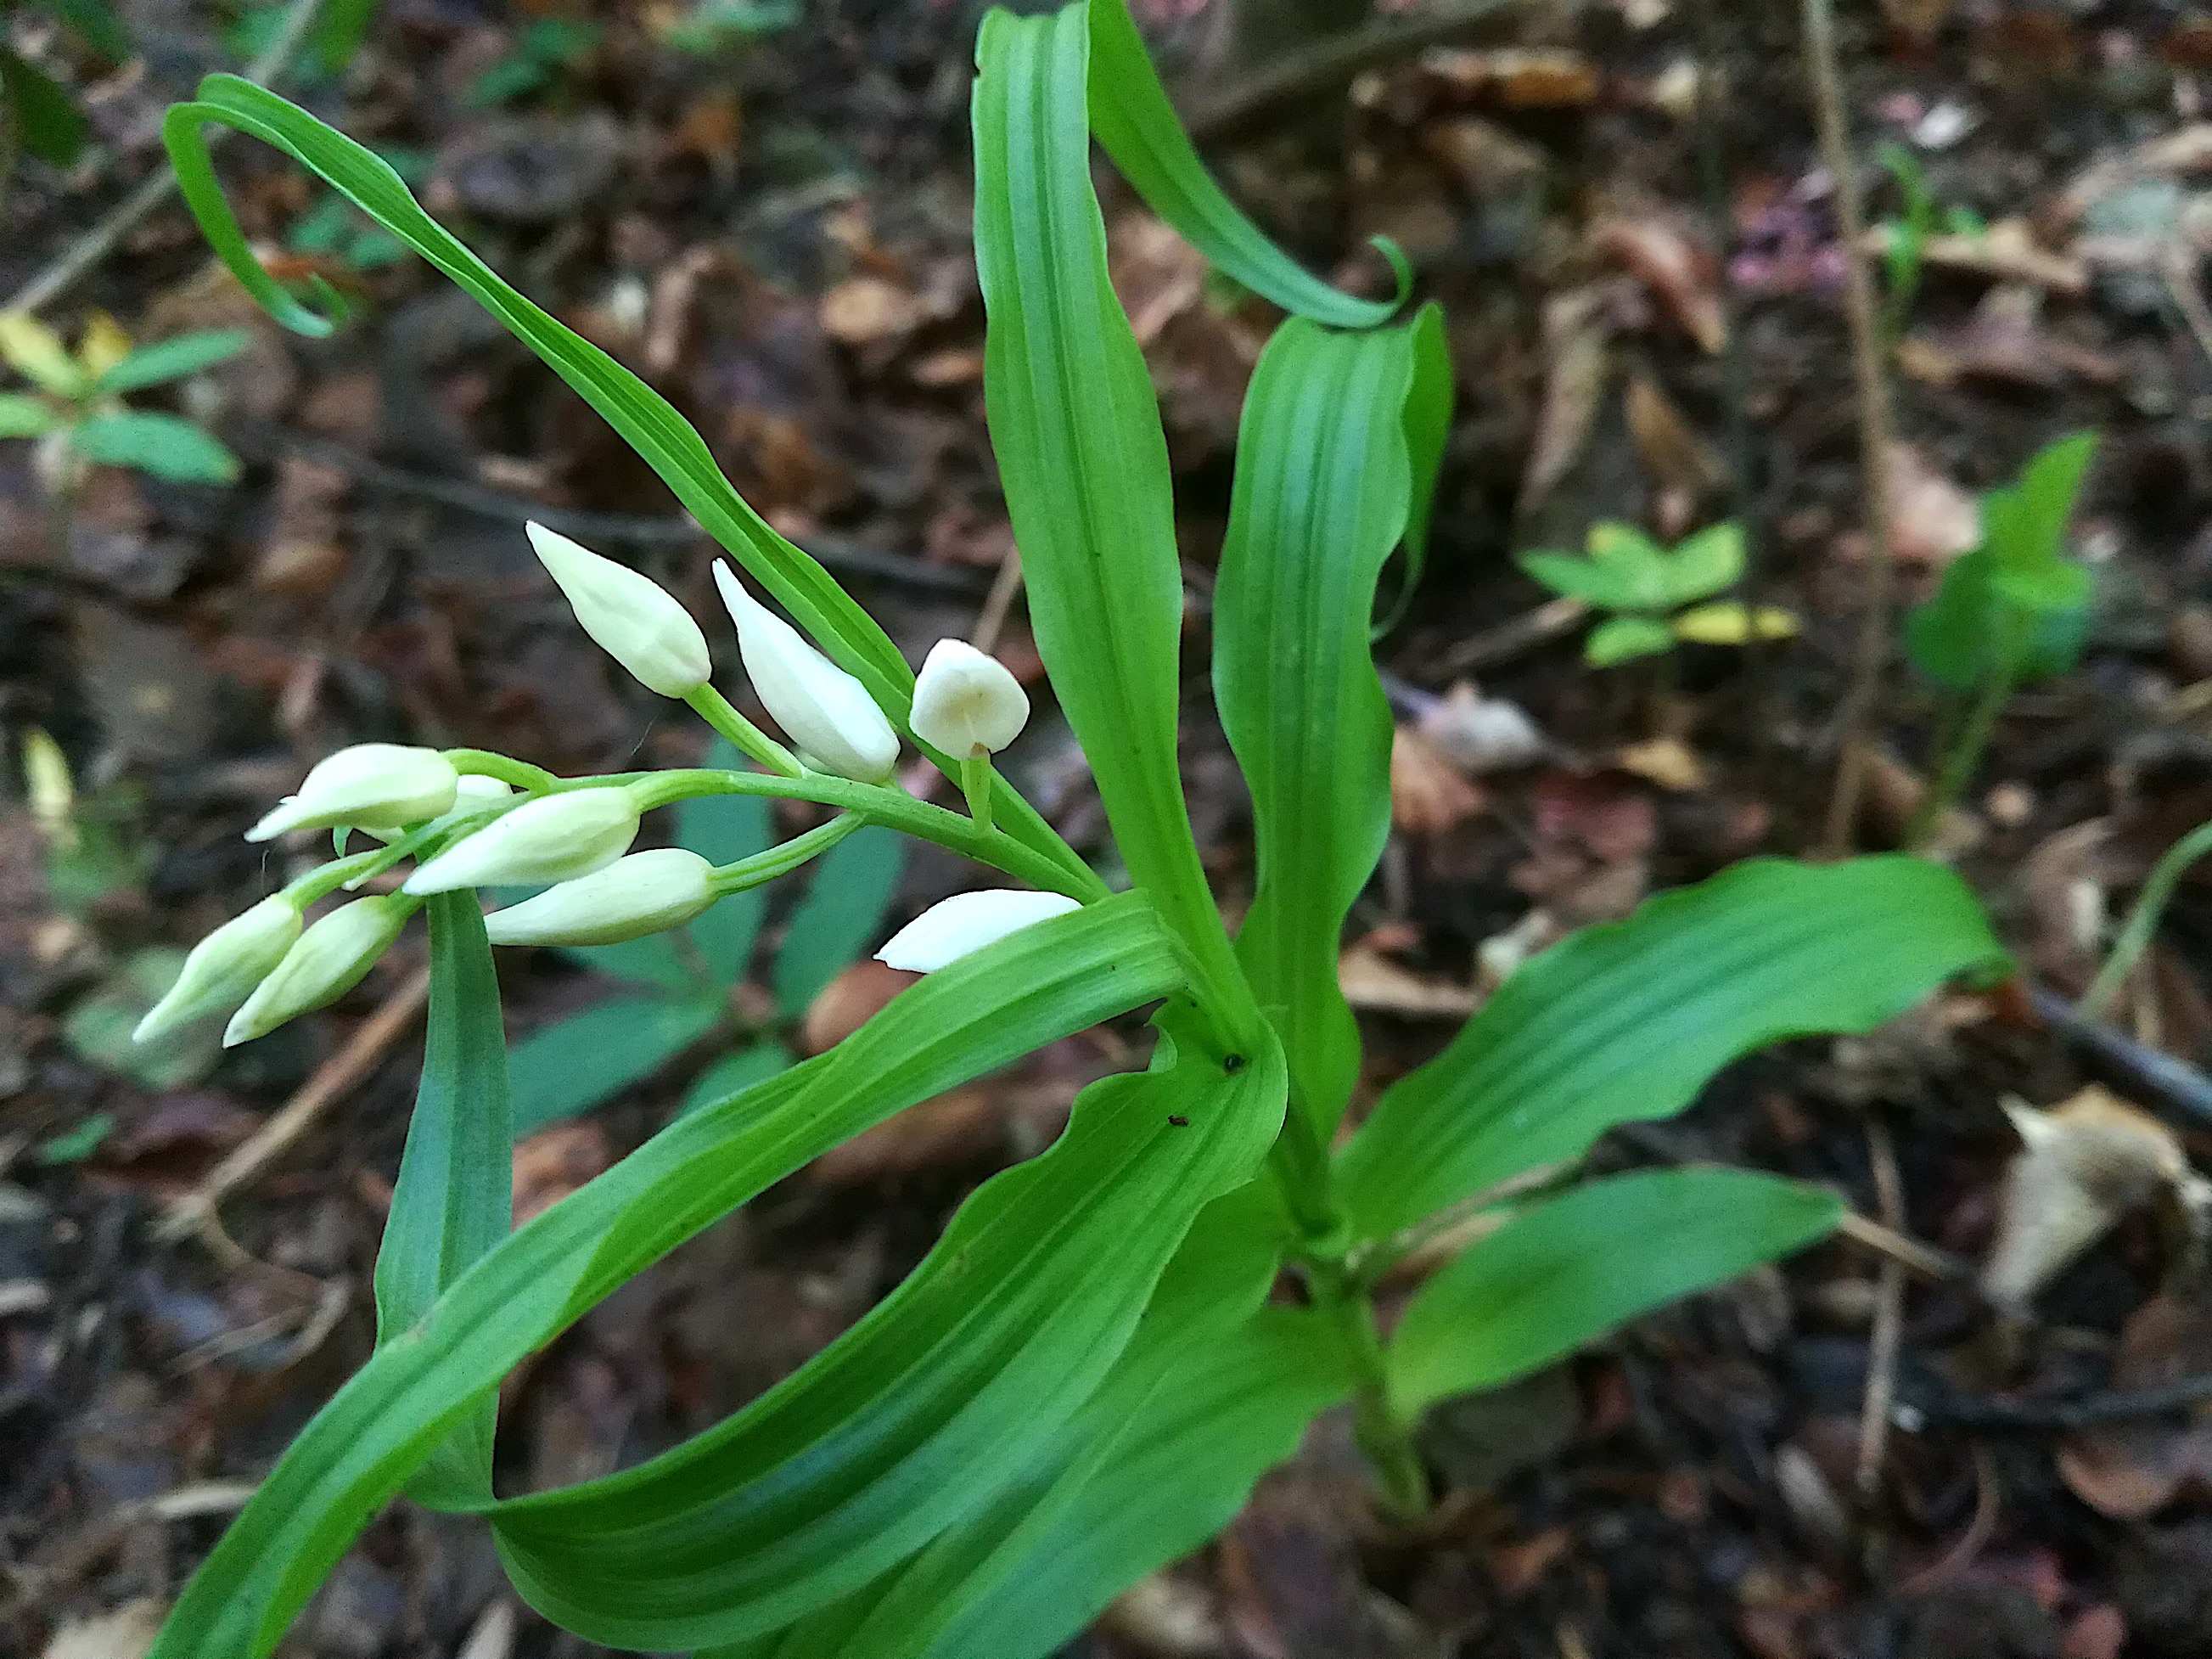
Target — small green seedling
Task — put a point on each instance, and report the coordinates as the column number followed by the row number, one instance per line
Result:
column 77, row 414
column 544, row 51
column 2013, row 610
column 713, row 27
column 1905, row 239
column 1653, row 592
column 679, row 984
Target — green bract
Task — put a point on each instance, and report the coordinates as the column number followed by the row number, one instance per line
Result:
column 1086, row 1375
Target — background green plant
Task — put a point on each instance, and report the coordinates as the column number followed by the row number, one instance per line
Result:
column 78, row 401
column 2013, row 610
column 1086, row 1374
column 1651, row 592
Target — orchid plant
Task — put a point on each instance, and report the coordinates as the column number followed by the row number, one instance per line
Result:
column 1112, row 1341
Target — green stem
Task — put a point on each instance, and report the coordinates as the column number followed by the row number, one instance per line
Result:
column 976, row 784
column 484, row 763
column 1960, row 759
column 1387, row 1441
column 2142, row 920
column 879, row 804
column 748, row 739
column 785, row 857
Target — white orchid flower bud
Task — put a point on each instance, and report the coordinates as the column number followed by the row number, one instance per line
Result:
column 553, row 838
column 822, row 708
column 329, row 959
column 473, row 795
column 965, row 703
column 224, row 968
column 967, row 922
column 370, row 785
column 644, row 893
column 635, row 620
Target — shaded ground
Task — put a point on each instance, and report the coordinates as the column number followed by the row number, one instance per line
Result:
column 774, row 233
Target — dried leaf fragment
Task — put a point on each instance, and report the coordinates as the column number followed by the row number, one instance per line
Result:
column 2082, row 1165
column 1427, row 793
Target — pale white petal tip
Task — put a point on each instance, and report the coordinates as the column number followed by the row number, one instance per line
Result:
column 644, row 893
column 966, row 702
column 366, row 786
column 967, row 922
column 823, row 709
column 632, row 617
column 554, row 838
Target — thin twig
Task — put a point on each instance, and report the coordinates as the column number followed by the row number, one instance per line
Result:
column 96, row 244
column 1889, row 1314
column 1553, row 619
column 1908, row 1253
column 1863, row 311
column 1321, row 69
column 991, row 620
column 2175, row 1081
column 200, row 1211
column 2080, row 1411
column 623, row 529
column 1980, row 1528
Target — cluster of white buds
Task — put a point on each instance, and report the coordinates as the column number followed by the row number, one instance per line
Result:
column 264, row 967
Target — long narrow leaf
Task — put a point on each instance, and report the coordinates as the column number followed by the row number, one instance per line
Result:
column 1044, row 982
column 1081, row 454
column 1324, row 490
column 668, row 443
column 1570, row 1268
column 1628, row 1021
column 452, row 1204
column 919, row 1415
column 1138, row 127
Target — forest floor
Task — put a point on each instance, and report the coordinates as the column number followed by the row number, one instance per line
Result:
column 1645, row 321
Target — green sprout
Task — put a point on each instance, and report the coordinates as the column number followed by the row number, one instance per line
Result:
column 1653, row 593
column 77, row 414
column 2014, row 610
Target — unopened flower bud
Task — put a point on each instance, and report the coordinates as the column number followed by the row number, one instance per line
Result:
column 224, row 968
column 553, row 838
column 822, row 708
column 965, row 703
column 635, row 621
column 644, row 893
column 473, row 794
column 370, row 785
column 967, row 922
column 329, row 959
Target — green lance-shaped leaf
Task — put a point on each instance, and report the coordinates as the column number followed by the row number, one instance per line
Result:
column 668, row 443
column 573, row 1064
column 1564, row 1270
column 452, row 1202
column 725, row 830
column 1324, row 488
column 1082, row 456
column 918, row 1415
column 1627, row 1021
column 1044, row 982
column 1211, row 1391
column 174, row 358
column 163, row 445
column 1138, row 127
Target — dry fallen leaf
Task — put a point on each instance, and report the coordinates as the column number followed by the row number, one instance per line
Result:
column 1578, row 353
column 1668, row 762
column 1427, row 793
column 1480, row 735
column 1519, row 77
column 1370, row 980
column 2082, row 1165
column 2131, row 1469
column 126, row 1633
column 1931, row 520
column 849, row 1001
column 866, row 310
column 2008, row 251
column 1677, row 460
column 1666, row 257
column 555, row 1162
column 958, row 1126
